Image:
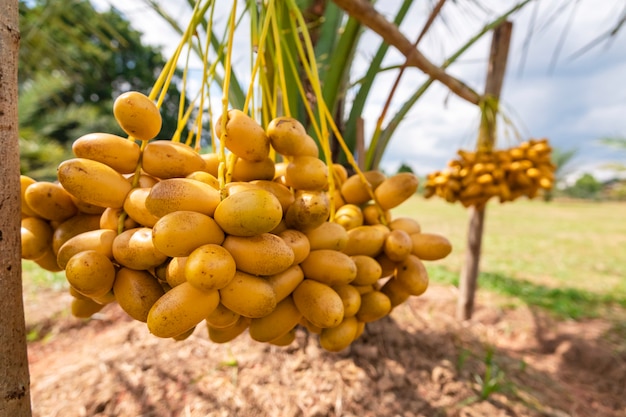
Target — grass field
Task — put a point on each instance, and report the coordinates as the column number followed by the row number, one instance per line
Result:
column 567, row 256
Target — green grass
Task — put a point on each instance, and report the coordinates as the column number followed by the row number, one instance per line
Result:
column 566, row 256
column 34, row 276
column 565, row 303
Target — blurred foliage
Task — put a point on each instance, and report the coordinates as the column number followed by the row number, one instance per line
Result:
column 73, row 62
column 587, row 186
column 619, row 144
column 404, row 167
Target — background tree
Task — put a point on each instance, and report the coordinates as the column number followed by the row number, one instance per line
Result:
column 70, row 92
column 404, row 167
column 587, row 186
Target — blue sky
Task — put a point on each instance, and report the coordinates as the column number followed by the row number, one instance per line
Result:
column 573, row 102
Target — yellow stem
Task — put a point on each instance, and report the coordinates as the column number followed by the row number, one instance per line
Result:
column 222, row 173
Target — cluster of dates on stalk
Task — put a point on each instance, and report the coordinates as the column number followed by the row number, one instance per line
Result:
column 270, row 247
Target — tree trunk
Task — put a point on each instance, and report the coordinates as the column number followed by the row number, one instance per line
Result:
column 486, row 141
column 14, row 377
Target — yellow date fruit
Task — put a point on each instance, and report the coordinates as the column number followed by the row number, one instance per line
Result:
column 285, row 282
column 368, row 270
column 48, row 261
column 74, row 226
column 136, row 292
column 329, row 266
column 365, row 240
column 249, row 212
column 310, row 327
column 100, row 240
column 180, row 232
column 104, row 299
column 93, row 182
column 362, row 289
column 135, row 207
column 248, row 295
column 25, row 182
column 180, row 309
column 412, row 275
column 36, row 237
column 86, row 208
column 144, row 181
column 388, row 266
column 254, row 170
column 407, row 224
column 280, row 321
column 83, row 308
column 286, row 339
column 350, row 297
column 178, row 194
column 244, row 136
column 234, row 187
column 212, row 162
column 396, row 189
column 205, row 177
column 340, row 337
column 309, row 210
column 398, row 245
column 306, row 173
column 373, row 215
column 210, row 267
column 340, row 174
column 90, row 273
column 226, row 334
column 374, row 306
column 115, row 151
column 349, row 216
column 430, row 246
column 137, row 115
column 166, row 159
column 50, row 201
column 265, row 254
column 282, row 193
column 134, row 249
column 395, row 291
column 222, row 317
column 110, row 219
column 298, row 242
column 175, row 271
column 328, row 235
column 354, row 191
column 318, row 303
column 289, row 137
column 360, row 327
column 184, row 335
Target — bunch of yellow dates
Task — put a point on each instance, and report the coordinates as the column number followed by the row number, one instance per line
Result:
column 154, row 229
column 508, row 174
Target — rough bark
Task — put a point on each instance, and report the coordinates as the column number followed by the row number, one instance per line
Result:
column 14, row 376
column 486, row 140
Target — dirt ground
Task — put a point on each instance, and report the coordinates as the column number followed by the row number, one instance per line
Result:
column 418, row 362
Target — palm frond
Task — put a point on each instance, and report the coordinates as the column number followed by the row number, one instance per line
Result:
column 614, row 142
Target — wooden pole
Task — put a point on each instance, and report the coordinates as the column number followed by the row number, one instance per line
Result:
column 14, row 376
column 486, row 140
